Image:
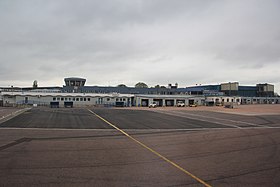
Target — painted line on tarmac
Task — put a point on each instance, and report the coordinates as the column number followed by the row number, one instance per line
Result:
column 52, row 129
column 12, row 115
column 151, row 150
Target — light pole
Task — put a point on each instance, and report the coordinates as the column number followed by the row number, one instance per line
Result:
column 229, row 88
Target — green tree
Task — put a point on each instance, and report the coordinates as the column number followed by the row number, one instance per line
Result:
column 157, row 86
column 141, row 85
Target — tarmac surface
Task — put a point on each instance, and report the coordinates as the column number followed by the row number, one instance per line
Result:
column 126, row 147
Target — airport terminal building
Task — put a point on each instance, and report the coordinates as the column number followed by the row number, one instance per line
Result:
column 75, row 94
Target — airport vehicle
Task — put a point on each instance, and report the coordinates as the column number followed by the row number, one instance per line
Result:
column 180, row 104
column 153, row 105
column 193, row 105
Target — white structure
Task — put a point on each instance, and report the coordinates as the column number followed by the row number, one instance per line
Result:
column 215, row 100
column 78, row 99
column 168, row 100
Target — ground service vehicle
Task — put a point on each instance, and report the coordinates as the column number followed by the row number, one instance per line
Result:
column 153, row 105
column 193, row 105
column 180, row 104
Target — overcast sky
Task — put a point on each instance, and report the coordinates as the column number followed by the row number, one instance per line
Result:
column 111, row 42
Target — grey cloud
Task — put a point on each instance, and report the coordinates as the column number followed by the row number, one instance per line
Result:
column 251, row 56
column 157, row 41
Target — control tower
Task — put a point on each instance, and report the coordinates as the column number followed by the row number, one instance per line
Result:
column 75, row 81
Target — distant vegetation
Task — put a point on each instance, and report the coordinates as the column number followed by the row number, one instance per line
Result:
column 158, row 86
column 122, row 85
column 141, row 85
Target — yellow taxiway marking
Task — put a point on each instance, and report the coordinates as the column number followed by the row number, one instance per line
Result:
column 151, row 150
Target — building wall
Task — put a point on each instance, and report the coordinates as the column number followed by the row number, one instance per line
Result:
column 224, row 99
column 230, row 86
column 145, row 100
column 247, row 91
column 265, row 90
column 265, row 87
column 269, row 88
column 77, row 100
column 8, row 100
column 260, row 100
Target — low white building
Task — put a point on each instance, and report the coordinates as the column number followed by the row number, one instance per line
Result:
column 78, row 99
column 260, row 100
column 46, row 98
column 217, row 100
column 168, row 100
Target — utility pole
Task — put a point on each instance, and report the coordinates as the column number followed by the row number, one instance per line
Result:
column 229, row 88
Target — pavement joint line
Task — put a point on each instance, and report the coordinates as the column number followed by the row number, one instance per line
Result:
column 15, row 142
column 151, row 150
column 159, row 130
column 235, row 121
column 221, row 119
column 228, row 125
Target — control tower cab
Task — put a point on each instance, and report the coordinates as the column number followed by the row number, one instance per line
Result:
column 75, row 81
